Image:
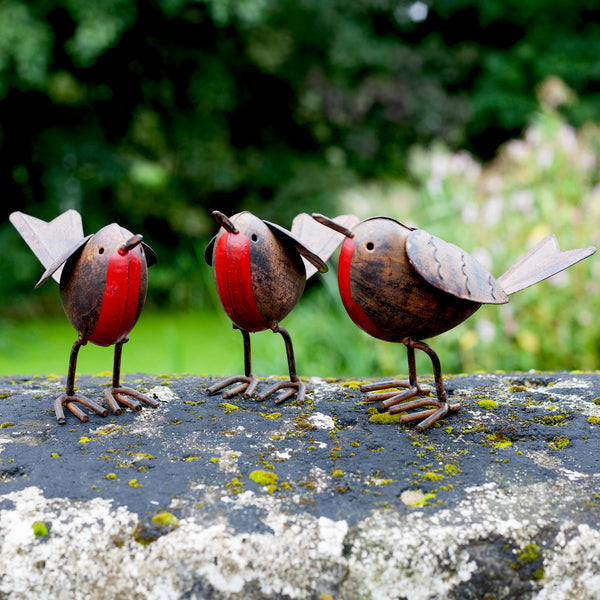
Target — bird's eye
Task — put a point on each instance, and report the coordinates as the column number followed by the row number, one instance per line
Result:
column 254, row 237
column 100, row 250
column 370, row 246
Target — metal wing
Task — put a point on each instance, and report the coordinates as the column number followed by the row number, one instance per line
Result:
column 451, row 269
column 56, row 266
column 322, row 240
column 151, row 258
column 49, row 241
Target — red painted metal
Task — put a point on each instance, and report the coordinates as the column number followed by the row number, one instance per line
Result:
column 119, row 307
column 355, row 312
column 233, row 275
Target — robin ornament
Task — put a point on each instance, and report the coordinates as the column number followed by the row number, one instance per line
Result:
column 260, row 271
column 402, row 284
column 103, row 281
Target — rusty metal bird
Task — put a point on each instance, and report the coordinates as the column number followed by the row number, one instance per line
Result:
column 103, row 280
column 402, row 284
column 260, row 271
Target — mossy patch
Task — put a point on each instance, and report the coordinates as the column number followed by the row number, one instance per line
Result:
column 559, row 442
column 487, row 404
column 594, row 420
column 384, row 418
column 265, row 478
column 6, row 425
column 165, row 519
column 40, row 530
column 513, row 389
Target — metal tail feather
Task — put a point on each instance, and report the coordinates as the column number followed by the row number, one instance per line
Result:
column 542, row 261
column 318, row 238
column 49, row 241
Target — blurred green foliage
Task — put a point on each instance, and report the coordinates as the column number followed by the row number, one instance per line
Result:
column 154, row 113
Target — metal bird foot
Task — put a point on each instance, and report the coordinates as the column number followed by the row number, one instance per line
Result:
column 120, row 394
column 247, row 386
column 429, row 416
column 294, row 387
column 71, row 401
column 395, row 401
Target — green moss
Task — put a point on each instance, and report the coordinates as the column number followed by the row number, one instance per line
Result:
column 487, row 404
column 560, row 442
column 6, row 424
column 264, row 477
column 274, row 415
column 134, row 483
column 191, row 458
column 353, row 385
column 550, row 420
column 235, row 486
column 538, row 574
column 498, row 440
column 451, row 470
column 84, row 439
column 517, row 388
column 384, row 418
column 529, row 554
column 39, row 529
column 165, row 519
column 55, row 455
column 425, row 501
column 337, row 473
column 229, row 407
column 110, row 476
column 594, row 420
column 214, row 459
column 432, row 476
column 596, row 401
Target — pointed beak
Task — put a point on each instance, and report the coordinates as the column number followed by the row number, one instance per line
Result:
column 332, row 225
column 130, row 244
column 224, row 222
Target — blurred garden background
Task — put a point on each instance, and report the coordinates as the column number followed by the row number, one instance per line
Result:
column 477, row 121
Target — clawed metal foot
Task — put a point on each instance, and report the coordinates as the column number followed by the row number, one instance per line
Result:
column 121, row 393
column 70, row 400
column 247, row 386
column 392, row 397
column 395, row 401
column 429, row 416
column 294, row 387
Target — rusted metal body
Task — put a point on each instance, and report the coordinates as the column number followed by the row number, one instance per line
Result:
column 260, row 270
column 402, row 284
column 103, row 281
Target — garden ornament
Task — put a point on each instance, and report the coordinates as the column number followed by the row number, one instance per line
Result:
column 103, row 280
column 260, row 270
column 402, row 284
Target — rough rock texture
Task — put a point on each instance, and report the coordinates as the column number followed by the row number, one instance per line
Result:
column 207, row 498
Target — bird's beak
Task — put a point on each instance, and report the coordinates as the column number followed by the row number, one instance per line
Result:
column 224, row 222
column 332, row 225
column 130, row 244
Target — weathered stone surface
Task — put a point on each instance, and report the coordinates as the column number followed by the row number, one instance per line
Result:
column 502, row 500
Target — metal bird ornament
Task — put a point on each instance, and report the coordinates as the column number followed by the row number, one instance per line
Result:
column 103, row 280
column 402, row 284
column 260, row 270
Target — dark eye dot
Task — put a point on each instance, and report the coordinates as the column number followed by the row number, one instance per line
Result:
column 100, row 250
column 254, row 237
column 370, row 246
